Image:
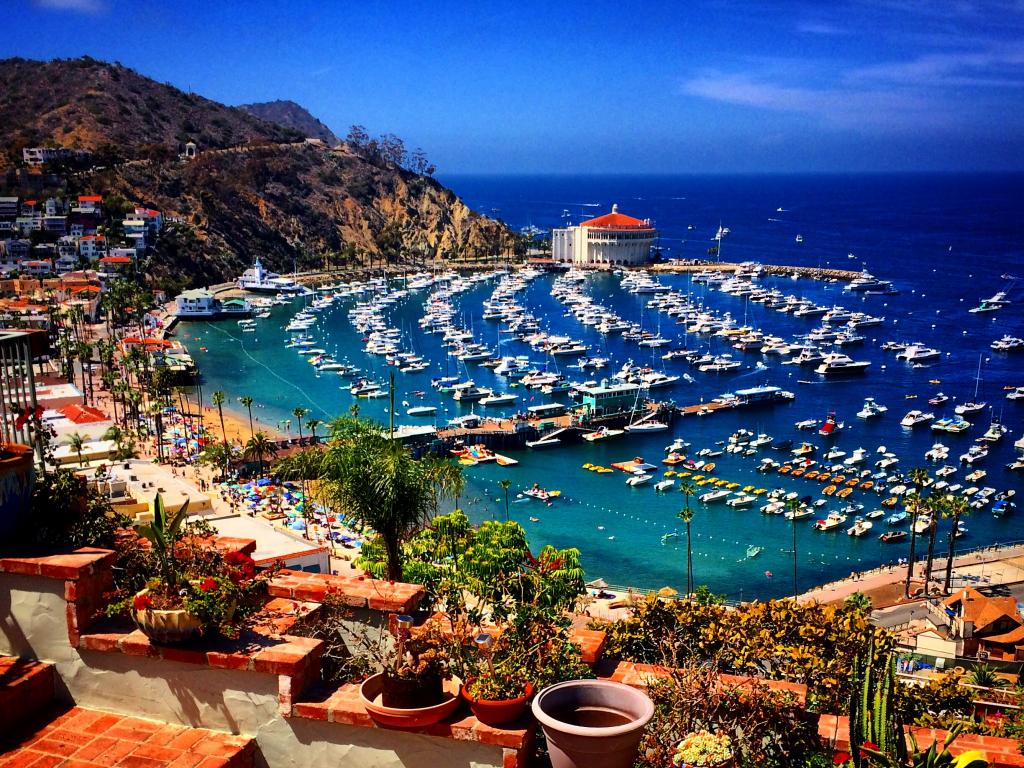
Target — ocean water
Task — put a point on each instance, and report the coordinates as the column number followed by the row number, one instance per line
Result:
column 945, row 241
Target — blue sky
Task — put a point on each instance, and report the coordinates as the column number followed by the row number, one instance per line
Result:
column 602, row 87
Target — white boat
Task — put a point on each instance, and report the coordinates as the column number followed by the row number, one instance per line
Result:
column 860, row 527
column 974, row 453
column 996, row 301
column 918, row 353
column 259, row 280
column 965, row 409
column 499, row 399
column 716, row 495
column 938, row 452
column 915, row 417
column 857, row 457
column 544, row 442
column 664, row 485
column 871, row 409
column 647, row 426
column 741, row 500
column 639, row 478
column 421, row 410
column 830, row 523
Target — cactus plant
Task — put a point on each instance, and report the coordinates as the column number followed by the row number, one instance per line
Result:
column 874, row 722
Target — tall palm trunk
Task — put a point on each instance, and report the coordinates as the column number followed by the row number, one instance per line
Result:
column 933, row 529
column 913, row 546
column 689, row 564
column 950, row 553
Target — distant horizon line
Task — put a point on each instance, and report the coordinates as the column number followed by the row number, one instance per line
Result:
column 664, row 174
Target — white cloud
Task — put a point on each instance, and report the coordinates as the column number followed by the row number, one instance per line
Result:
column 79, row 6
column 821, row 28
column 843, row 107
column 997, row 67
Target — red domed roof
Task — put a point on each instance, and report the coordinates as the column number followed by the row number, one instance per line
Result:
column 616, row 220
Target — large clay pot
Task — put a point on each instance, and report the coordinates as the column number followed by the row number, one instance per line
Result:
column 167, row 626
column 592, row 723
column 399, row 717
column 17, row 480
column 498, row 711
column 402, row 693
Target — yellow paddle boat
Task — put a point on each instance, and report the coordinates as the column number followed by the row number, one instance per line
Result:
column 828, row 490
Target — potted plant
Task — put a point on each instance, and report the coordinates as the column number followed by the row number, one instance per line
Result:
column 415, row 686
column 17, row 478
column 188, row 587
column 592, row 723
column 704, row 749
column 497, row 686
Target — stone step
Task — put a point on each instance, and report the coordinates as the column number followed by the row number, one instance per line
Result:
column 26, row 691
column 86, row 738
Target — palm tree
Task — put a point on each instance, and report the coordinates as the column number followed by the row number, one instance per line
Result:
column 936, row 508
column 686, row 515
column 300, row 414
column 75, row 442
column 377, row 481
column 313, row 424
column 955, row 506
column 247, row 402
column 918, row 476
column 505, row 485
column 217, row 398
column 793, row 505
column 260, row 447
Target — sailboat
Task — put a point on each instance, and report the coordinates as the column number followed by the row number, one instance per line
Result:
column 644, row 423
column 973, row 406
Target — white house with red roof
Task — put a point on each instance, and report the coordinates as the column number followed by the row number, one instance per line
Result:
column 612, row 239
column 90, row 203
column 92, row 246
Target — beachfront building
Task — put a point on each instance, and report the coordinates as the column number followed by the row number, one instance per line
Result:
column 612, row 239
column 608, row 398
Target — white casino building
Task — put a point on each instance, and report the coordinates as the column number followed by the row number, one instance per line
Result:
column 610, row 239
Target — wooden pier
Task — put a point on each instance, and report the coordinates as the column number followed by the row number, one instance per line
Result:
column 781, row 270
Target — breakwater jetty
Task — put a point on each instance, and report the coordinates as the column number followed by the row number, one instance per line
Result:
column 779, row 270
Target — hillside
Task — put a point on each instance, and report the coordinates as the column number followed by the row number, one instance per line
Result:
column 255, row 189
column 288, row 114
column 89, row 104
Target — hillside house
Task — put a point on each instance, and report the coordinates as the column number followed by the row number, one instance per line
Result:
column 92, row 247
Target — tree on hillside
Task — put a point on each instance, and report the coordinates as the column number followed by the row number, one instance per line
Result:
column 358, row 136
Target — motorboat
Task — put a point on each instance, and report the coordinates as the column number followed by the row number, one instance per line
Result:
column 955, row 425
column 830, row 523
column 831, row 427
column 918, row 353
column 499, row 399
column 857, row 457
column 1008, row 344
column 996, row 301
column 544, row 442
column 664, row 485
column 937, row 452
column 836, row 363
column 716, row 495
column 638, row 478
column 741, row 500
column 871, row 409
column 938, row 399
column 859, row 527
column 1017, row 393
column 973, row 454
column 421, row 410
column 892, row 536
column 897, row 517
column 923, row 525
column 602, row 433
column 915, row 417
column 994, row 433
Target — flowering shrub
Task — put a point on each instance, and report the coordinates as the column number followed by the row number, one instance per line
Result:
column 180, row 569
column 703, row 748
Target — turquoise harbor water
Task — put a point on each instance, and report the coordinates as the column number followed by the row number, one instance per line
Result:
column 946, row 242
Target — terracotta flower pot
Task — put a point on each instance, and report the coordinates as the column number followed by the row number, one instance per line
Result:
column 167, row 626
column 403, row 693
column 498, row 711
column 399, row 717
column 17, row 479
column 592, row 723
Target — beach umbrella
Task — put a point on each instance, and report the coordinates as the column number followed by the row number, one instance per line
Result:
column 598, row 584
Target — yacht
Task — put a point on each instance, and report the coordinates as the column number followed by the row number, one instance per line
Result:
column 259, row 280
column 421, row 410
column 974, row 453
column 918, row 353
column 837, row 363
column 871, row 409
column 938, row 452
column 1008, row 344
column 997, row 301
column 913, row 418
column 499, row 399
column 867, row 282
